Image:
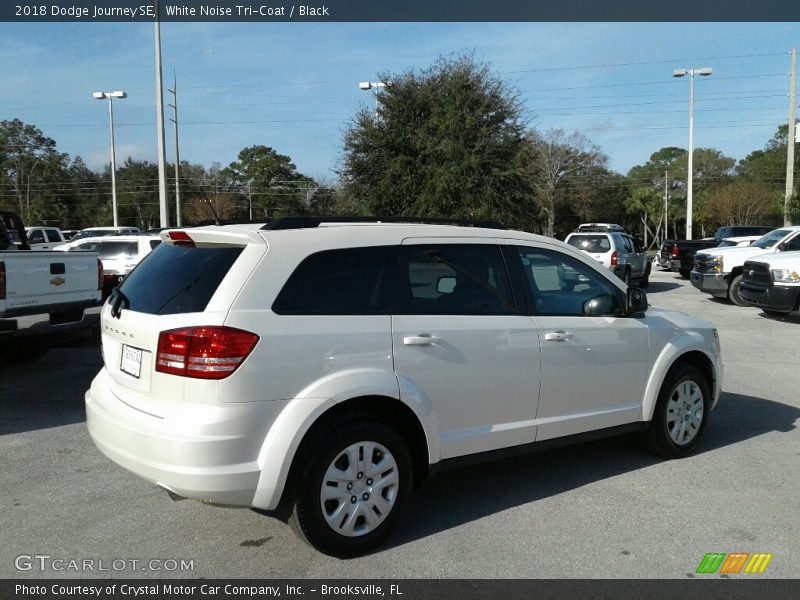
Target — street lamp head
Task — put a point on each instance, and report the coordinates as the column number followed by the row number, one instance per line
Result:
column 705, row 71
column 679, row 73
column 114, row 94
column 364, row 85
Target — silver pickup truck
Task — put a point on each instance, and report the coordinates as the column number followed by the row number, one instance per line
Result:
column 43, row 294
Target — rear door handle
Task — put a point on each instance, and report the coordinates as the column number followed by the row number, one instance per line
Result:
column 557, row 336
column 423, row 339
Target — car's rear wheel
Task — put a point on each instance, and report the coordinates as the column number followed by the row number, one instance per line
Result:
column 684, row 273
column 354, row 489
column 733, row 292
column 681, row 412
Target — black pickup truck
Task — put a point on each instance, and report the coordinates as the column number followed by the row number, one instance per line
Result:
column 678, row 255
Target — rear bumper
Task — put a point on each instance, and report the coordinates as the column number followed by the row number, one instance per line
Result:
column 715, row 284
column 776, row 297
column 203, row 452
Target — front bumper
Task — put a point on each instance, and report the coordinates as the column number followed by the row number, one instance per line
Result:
column 715, row 284
column 203, row 452
column 782, row 298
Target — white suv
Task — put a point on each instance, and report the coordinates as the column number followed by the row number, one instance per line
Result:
column 322, row 371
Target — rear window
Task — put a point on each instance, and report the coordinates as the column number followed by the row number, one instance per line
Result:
column 177, row 279
column 117, row 249
column 596, row 244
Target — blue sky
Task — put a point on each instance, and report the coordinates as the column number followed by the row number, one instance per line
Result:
column 294, row 86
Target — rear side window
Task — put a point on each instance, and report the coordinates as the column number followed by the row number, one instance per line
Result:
column 352, row 281
column 177, row 279
column 596, row 244
column 454, row 279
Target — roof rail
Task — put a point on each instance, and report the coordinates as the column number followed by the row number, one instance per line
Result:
column 311, row 222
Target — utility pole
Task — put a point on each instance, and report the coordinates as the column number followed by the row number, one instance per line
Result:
column 174, row 92
column 162, row 153
column 790, row 141
column 666, row 205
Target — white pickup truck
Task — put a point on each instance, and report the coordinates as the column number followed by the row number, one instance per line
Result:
column 772, row 283
column 719, row 271
column 43, row 294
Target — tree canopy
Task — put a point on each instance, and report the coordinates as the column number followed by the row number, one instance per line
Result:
column 448, row 141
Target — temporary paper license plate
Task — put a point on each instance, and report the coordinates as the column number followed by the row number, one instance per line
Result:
column 131, row 361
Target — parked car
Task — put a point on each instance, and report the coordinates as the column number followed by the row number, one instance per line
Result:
column 617, row 251
column 119, row 253
column 44, row 238
column 719, row 271
column 772, row 282
column 42, row 294
column 679, row 254
column 321, row 371
column 102, row 231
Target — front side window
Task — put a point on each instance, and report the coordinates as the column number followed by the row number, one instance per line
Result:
column 52, row 236
column 454, row 279
column 351, row 281
column 563, row 286
column 793, row 244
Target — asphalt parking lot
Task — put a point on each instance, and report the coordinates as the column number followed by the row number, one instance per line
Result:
column 605, row 509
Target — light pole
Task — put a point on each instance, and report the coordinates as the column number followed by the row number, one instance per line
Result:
column 374, row 86
column 704, row 72
column 111, row 96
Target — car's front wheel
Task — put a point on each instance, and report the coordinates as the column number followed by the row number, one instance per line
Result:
column 733, row 292
column 354, row 489
column 681, row 412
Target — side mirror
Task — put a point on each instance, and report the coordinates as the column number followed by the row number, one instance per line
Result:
column 636, row 301
column 782, row 247
column 599, row 306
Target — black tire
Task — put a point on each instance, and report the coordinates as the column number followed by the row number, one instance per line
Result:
column 684, row 273
column 308, row 517
column 681, row 381
column 733, row 292
column 23, row 351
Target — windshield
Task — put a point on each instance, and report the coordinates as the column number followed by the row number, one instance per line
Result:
column 772, row 238
column 92, row 233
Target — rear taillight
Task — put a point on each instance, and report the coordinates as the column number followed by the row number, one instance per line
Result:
column 675, row 250
column 99, row 274
column 614, row 259
column 2, row 281
column 211, row 352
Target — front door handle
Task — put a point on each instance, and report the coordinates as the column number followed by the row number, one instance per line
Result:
column 557, row 336
column 423, row 339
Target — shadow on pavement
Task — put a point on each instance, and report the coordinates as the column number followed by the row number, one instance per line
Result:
column 656, row 287
column 463, row 495
column 44, row 393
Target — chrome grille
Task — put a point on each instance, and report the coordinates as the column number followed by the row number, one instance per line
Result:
column 701, row 263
